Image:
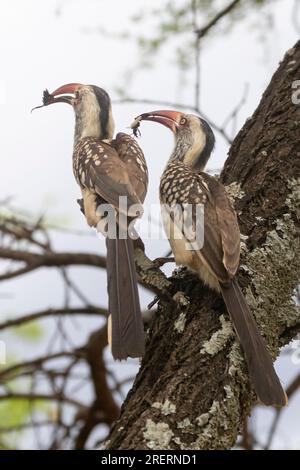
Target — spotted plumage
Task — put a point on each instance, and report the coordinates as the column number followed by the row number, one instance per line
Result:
column 179, row 186
column 215, row 256
column 108, row 170
column 197, row 192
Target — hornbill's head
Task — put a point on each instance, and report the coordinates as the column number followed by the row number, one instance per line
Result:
column 92, row 109
column 193, row 135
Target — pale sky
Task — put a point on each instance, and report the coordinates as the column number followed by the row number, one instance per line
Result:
column 39, row 50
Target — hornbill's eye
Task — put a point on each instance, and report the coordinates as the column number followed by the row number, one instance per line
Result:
column 183, row 121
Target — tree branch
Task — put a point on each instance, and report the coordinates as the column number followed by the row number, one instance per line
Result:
column 42, row 396
column 290, row 391
column 52, row 312
column 104, row 408
column 215, row 20
column 193, row 390
column 20, row 427
column 48, row 259
column 173, row 105
column 34, row 363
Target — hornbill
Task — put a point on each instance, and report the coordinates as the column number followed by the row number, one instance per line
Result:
column 112, row 174
column 215, row 254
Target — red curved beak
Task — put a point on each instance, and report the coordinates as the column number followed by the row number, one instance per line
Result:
column 170, row 119
column 63, row 94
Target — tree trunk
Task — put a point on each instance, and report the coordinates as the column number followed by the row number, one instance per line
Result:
column 192, row 390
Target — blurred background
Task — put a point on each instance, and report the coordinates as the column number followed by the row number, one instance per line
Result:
column 147, row 56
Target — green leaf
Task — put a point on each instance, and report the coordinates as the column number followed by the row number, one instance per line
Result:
column 30, row 332
column 14, row 412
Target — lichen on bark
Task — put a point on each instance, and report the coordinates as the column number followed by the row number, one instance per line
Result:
column 199, row 366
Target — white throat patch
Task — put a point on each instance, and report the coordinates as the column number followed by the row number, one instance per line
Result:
column 87, row 117
column 196, row 149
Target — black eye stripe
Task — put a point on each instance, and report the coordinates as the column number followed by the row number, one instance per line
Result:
column 104, row 103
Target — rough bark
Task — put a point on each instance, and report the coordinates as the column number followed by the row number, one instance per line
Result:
column 192, row 390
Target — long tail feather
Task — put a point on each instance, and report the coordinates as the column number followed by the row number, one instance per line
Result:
column 127, row 333
column 260, row 364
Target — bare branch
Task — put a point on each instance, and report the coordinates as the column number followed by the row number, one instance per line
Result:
column 218, row 381
column 22, row 426
column 104, row 408
column 52, row 312
column 49, row 259
column 290, row 391
column 197, row 56
column 35, row 363
column 215, row 20
column 42, row 396
column 176, row 106
column 234, row 113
